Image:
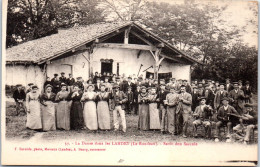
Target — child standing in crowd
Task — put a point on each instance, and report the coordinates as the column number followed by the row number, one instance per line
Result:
column 130, row 100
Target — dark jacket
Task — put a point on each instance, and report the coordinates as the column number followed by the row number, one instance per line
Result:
column 19, row 95
column 162, row 96
column 116, row 98
column 63, row 80
column 70, row 81
column 223, row 115
column 44, row 97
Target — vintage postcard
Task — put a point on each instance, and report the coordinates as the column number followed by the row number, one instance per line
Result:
column 129, row 82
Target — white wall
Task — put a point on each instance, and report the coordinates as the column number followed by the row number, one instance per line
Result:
column 130, row 64
column 21, row 74
column 127, row 59
column 79, row 64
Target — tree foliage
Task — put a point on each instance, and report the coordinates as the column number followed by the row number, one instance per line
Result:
column 32, row 19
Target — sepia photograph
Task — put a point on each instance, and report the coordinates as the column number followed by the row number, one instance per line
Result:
column 129, row 82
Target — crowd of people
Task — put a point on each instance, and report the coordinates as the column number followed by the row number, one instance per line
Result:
column 163, row 105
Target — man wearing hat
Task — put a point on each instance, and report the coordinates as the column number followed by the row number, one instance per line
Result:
column 29, row 88
column 139, row 81
column 136, row 94
column 187, row 85
column 248, row 123
column 224, row 118
column 229, row 86
column 55, row 82
column 209, row 95
column 118, row 99
column 184, row 109
column 19, row 97
column 200, row 89
column 171, row 101
column 95, row 77
column 220, row 95
column 80, row 83
column 237, row 98
column 248, row 92
column 202, row 115
column 70, row 82
column 195, row 98
column 130, row 100
column 162, row 107
column 63, row 79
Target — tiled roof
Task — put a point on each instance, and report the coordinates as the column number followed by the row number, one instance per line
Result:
column 44, row 48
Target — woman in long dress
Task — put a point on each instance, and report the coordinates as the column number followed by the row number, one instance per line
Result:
column 153, row 110
column 143, row 123
column 103, row 109
column 90, row 108
column 48, row 109
column 34, row 120
column 76, row 110
column 63, row 108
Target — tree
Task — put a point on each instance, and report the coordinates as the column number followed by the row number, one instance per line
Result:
column 32, row 19
column 77, row 12
column 29, row 19
column 124, row 10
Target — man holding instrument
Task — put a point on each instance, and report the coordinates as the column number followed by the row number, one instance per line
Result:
column 248, row 123
column 225, row 116
column 202, row 116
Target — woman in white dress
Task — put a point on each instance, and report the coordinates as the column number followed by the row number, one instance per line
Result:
column 34, row 120
column 90, row 108
column 48, row 109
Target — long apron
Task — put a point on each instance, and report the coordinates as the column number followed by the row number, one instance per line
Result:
column 103, row 115
column 48, row 116
column 144, row 117
column 154, row 116
column 90, row 115
column 34, row 120
column 63, row 115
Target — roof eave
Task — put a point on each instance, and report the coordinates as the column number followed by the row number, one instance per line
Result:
column 190, row 59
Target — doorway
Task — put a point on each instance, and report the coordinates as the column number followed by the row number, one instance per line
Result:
column 106, row 67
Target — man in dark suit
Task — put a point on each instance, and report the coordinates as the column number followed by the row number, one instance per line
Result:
column 130, row 100
column 19, row 97
column 248, row 92
column 118, row 99
column 185, row 100
column 162, row 107
column 136, row 93
column 70, row 82
column 187, row 85
column 229, row 86
column 129, row 84
column 209, row 95
column 236, row 97
column 80, row 83
column 55, row 82
column 225, row 118
column 195, row 98
column 95, row 78
column 63, row 79
column 97, row 85
column 221, row 93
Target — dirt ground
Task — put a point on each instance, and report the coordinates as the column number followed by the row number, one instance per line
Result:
column 16, row 130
